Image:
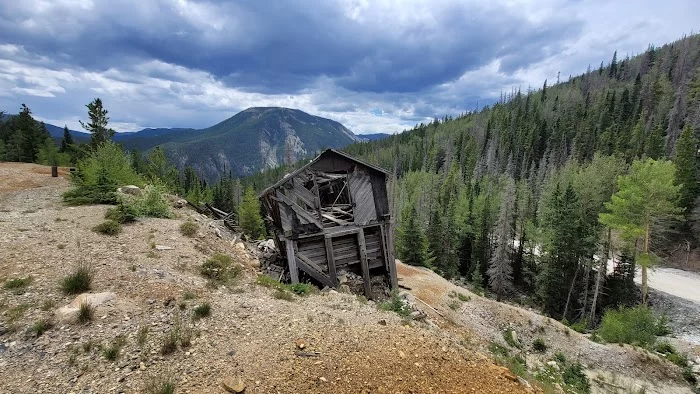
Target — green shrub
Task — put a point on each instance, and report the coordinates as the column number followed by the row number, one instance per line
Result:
column 108, row 227
column 539, row 345
column 662, row 328
column 560, row 357
column 160, row 385
column 498, row 350
column 396, row 304
column 635, row 326
column 188, row 295
column 665, row 348
column 220, row 268
column 463, row 297
column 580, row 326
column 573, row 376
column 202, row 310
column 511, row 339
column 79, row 281
column 454, row 305
column 99, row 174
column 154, row 203
column 125, row 212
column 142, row 336
column 267, row 281
column 85, row 312
column 302, row 289
column 189, row 228
column 17, row 285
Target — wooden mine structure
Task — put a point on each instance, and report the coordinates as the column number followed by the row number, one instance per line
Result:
column 333, row 214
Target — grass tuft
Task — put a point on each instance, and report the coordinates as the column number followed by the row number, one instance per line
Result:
column 282, row 294
column 111, row 352
column 160, row 385
column 79, row 281
column 40, row 327
column 85, row 312
column 17, row 283
column 220, row 269
column 396, row 304
column 202, row 310
column 539, row 345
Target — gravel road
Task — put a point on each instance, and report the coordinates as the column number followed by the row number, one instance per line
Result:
column 676, row 282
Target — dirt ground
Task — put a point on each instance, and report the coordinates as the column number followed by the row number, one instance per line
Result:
column 351, row 345
column 251, row 335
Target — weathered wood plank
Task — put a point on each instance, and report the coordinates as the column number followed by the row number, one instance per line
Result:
column 313, row 270
column 330, row 260
column 304, row 194
column 299, row 210
column 293, row 270
column 334, row 220
column 363, row 263
column 388, row 253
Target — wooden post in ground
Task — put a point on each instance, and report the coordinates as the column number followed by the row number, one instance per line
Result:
column 292, row 261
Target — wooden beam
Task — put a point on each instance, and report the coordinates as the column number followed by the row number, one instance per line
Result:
column 304, row 194
column 331, row 261
column 293, row 270
column 334, row 220
column 363, row 263
column 313, row 270
column 390, row 252
column 388, row 263
column 299, row 210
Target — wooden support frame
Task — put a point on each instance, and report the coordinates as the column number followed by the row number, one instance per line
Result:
column 330, row 257
column 300, row 211
column 313, row 270
column 291, row 260
column 390, row 264
column 363, row 263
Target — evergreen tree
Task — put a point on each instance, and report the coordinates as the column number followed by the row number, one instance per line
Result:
column 249, row 215
column 412, row 246
column 687, row 168
column 98, row 124
column 29, row 136
column 645, row 200
column 67, row 140
column 500, row 270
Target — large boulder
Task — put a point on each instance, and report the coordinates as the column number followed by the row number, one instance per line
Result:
column 130, row 189
column 70, row 311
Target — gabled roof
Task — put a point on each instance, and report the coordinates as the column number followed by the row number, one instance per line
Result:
column 312, row 162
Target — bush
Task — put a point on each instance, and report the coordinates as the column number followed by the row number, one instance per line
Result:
column 463, row 297
column 580, row 326
column 267, row 281
column 282, row 294
column 189, row 228
column 160, row 385
column 154, row 204
column 573, row 376
column 396, row 304
column 539, row 345
column 302, row 289
column 635, row 326
column 17, row 283
column 203, row 310
column 112, row 351
column 124, row 212
column 99, row 174
column 511, row 339
column 40, row 327
column 108, row 227
column 79, row 281
column 220, row 269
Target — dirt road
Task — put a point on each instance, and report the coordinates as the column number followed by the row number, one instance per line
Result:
column 676, row 282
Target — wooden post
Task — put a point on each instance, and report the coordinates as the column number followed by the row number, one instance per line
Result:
column 54, row 171
column 390, row 264
column 331, row 261
column 363, row 263
column 292, row 261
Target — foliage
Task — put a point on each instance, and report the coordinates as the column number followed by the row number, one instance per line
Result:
column 687, row 162
column 511, row 338
column 220, row 269
column 411, row 245
column 500, row 270
column 17, row 283
column 111, row 352
column 108, row 227
column 189, row 228
column 635, row 326
column 78, row 281
column 124, row 212
column 302, row 289
column 396, row 304
column 154, row 203
column 202, row 310
column 282, row 294
column 99, row 174
column 160, row 385
column 249, row 215
column 40, row 327
column 574, row 377
column 539, row 345
column 49, row 155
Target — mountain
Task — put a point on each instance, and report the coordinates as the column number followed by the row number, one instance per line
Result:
column 252, row 140
column 150, row 133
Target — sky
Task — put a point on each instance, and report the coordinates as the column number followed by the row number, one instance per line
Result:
column 373, row 65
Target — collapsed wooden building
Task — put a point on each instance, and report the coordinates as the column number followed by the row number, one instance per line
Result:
column 332, row 215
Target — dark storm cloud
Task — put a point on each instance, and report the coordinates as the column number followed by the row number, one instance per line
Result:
column 283, row 47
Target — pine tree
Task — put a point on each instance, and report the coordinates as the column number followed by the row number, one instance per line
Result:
column 412, row 246
column 249, row 215
column 98, row 124
column 687, row 166
column 500, row 270
column 646, row 199
column 67, row 140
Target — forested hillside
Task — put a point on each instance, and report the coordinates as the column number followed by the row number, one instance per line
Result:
column 510, row 197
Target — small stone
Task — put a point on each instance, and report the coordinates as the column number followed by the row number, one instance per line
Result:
column 163, row 247
column 233, row 384
column 402, row 354
column 323, row 379
column 142, row 366
column 301, row 343
column 240, row 246
column 382, row 322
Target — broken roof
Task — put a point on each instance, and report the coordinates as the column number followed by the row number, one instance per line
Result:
column 319, row 157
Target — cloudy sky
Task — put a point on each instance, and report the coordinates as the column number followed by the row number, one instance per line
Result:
column 374, row 65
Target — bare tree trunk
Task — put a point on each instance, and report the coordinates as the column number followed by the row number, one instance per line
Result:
column 584, row 300
column 599, row 277
column 571, row 290
column 645, row 288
